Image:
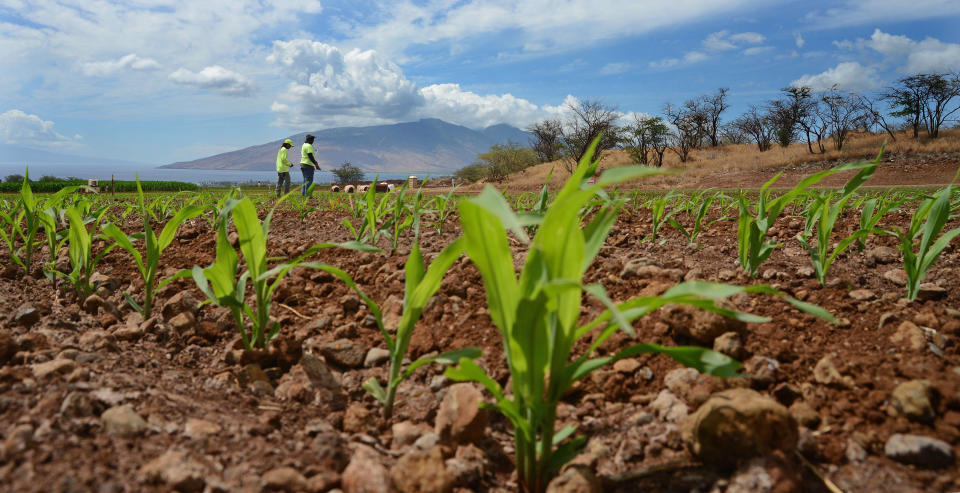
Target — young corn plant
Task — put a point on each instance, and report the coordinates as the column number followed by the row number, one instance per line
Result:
column 421, row 284
column 753, row 247
column 702, row 207
column 149, row 262
column 930, row 217
column 224, row 284
column 821, row 254
column 537, row 313
column 80, row 247
column 660, row 214
column 443, row 209
column 873, row 210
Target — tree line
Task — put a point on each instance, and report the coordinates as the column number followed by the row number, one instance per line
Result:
column 823, row 119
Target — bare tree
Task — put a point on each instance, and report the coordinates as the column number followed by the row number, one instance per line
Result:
column 714, row 105
column 924, row 99
column 842, row 113
column 758, row 125
column 874, row 115
column 688, row 129
column 546, row 139
column 731, row 134
column 589, row 120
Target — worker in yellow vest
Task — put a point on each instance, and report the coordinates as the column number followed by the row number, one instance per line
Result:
column 283, row 168
column 308, row 163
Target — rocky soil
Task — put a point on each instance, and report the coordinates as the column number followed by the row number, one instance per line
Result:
column 95, row 399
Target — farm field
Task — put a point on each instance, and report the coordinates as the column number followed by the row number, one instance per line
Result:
column 850, row 376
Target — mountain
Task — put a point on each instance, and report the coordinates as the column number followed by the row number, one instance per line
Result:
column 425, row 146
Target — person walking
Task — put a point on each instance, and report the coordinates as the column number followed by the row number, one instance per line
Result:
column 283, row 168
column 308, row 164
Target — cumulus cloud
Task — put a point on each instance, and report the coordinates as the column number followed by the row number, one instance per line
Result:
column 873, row 12
column 111, row 67
column 214, row 79
column 331, row 86
column 614, row 68
column 20, row 128
column 928, row 55
column 724, row 40
column 688, row 58
column 847, row 76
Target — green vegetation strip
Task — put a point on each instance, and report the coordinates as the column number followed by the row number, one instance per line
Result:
column 120, row 186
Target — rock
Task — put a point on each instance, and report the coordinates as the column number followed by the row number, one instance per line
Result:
column 739, row 423
column 640, row 269
column 806, row 272
column 255, row 379
column 99, row 280
column 319, row 324
column 343, row 352
column 182, row 322
column 55, row 367
column 179, row 303
column 575, row 479
column 805, row 415
column 862, row 294
column 467, row 465
column 79, row 405
column 882, row 255
column 763, row 371
column 919, row 450
column 421, row 471
column 668, row 407
column 407, row 432
column 358, row 418
column 128, row 333
column 200, row 428
column 896, row 276
column 375, row 356
column 427, row 441
column 854, row 452
column 283, row 479
column 460, row 419
column 913, row 400
column 765, row 475
column 350, row 303
column 929, row 291
column 365, row 473
column 725, row 275
column 826, row 373
column 318, row 372
column 729, row 343
column 8, row 348
column 176, row 470
column 92, row 303
column 701, row 325
column 627, row 366
column 122, row 421
column 26, row 316
column 909, row 336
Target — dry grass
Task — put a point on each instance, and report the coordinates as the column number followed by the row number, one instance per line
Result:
column 706, row 161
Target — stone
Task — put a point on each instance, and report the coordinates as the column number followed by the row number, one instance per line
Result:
column 376, row 356
column 460, row 419
column 862, row 294
column 176, row 471
column 343, row 352
column 319, row 324
column 60, row 366
column 182, row 322
column 407, row 432
column 826, row 373
column 122, row 421
column 737, row 424
column 896, row 276
column 179, row 303
column 730, row 344
column 350, row 303
column 100, row 280
column 200, row 428
column 575, row 479
column 913, row 400
column 256, row 379
column 26, row 316
column 806, row 272
column 421, row 471
column 805, row 415
column 919, row 450
column 467, row 465
column 882, row 255
column 640, row 269
column 909, row 336
column 319, row 373
column 92, row 303
column 697, row 324
column 79, row 405
column 854, row 452
column 427, row 441
column 763, row 371
column 627, row 366
column 365, row 473
column 358, row 418
column 668, row 407
column 283, row 479
column 128, row 333
column 929, row 291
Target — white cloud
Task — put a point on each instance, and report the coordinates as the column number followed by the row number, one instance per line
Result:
column 329, row 86
column 723, row 40
column 614, row 68
column 847, row 76
column 798, row 39
column 688, row 58
column 928, row 55
column 214, row 79
column 757, row 50
column 111, row 67
column 20, row 128
column 873, row 12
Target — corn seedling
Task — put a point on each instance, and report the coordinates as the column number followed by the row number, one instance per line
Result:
column 752, row 246
column 537, row 314
column 443, row 204
column 931, row 216
column 873, row 210
column 153, row 246
column 80, row 246
column 821, row 254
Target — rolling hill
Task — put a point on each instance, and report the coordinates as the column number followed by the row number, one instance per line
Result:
column 425, row 146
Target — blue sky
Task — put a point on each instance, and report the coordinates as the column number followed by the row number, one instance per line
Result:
column 162, row 80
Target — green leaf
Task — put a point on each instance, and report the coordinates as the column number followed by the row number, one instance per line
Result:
column 373, row 387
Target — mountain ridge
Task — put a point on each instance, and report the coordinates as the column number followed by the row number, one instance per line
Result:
column 428, row 145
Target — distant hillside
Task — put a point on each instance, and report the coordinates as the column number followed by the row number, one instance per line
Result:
column 429, row 145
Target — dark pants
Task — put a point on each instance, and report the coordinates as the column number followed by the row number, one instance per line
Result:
column 283, row 181
column 307, row 179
